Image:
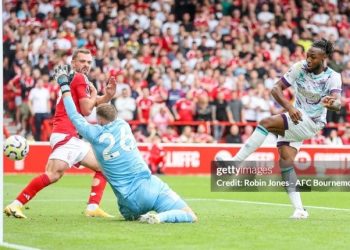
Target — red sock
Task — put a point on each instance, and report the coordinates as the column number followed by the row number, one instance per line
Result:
column 33, row 188
column 97, row 188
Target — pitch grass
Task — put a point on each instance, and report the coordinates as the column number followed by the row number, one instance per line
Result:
column 55, row 220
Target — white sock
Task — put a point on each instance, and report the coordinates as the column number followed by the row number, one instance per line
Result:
column 252, row 144
column 92, row 207
column 295, row 200
column 17, row 203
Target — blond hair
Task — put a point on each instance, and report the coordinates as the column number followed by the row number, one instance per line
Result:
column 106, row 111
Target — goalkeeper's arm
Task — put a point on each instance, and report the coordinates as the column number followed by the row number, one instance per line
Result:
column 84, row 128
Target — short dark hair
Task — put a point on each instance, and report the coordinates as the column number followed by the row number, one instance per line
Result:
column 82, row 50
column 106, row 111
column 325, row 45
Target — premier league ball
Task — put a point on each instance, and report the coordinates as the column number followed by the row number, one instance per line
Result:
column 16, row 147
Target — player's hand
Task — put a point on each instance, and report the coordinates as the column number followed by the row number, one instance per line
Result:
column 63, row 76
column 295, row 115
column 111, row 87
column 328, row 101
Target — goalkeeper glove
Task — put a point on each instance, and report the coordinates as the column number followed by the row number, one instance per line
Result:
column 63, row 76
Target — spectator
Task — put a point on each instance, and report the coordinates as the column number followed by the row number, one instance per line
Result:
column 144, row 104
column 233, row 136
column 271, row 79
column 236, row 108
column 250, row 105
column 125, row 105
column 265, row 16
column 337, row 63
column 151, row 130
column 319, row 139
column 40, row 106
column 265, row 105
column 184, row 109
column 346, row 136
column 203, row 111
column 170, row 135
column 159, row 93
column 171, row 47
column 186, row 135
column 248, row 130
column 139, row 136
column 220, row 113
column 346, row 77
column 202, row 135
column 333, row 138
column 174, row 94
column 162, row 119
column 45, row 7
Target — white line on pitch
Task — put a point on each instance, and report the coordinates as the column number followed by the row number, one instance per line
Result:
column 15, row 246
column 266, row 203
column 209, row 200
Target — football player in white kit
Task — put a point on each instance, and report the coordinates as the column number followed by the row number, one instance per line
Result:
column 317, row 88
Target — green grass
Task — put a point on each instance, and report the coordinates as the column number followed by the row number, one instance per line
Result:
column 55, row 220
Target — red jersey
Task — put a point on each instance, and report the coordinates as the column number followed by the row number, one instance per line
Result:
column 199, row 92
column 145, row 104
column 208, row 83
column 17, row 84
column 159, row 94
column 156, row 154
column 79, row 89
column 227, row 92
column 184, row 108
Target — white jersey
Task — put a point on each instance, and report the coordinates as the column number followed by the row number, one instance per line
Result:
column 310, row 88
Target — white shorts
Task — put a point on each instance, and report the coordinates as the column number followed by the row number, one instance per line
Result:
column 295, row 134
column 71, row 151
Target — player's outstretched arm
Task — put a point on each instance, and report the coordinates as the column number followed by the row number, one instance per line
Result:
column 77, row 119
column 111, row 89
column 62, row 77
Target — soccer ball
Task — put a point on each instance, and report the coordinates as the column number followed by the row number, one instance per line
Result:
column 16, row 147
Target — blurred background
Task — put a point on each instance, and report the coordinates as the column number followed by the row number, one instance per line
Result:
column 187, row 71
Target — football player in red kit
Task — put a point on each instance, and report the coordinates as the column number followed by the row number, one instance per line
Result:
column 67, row 149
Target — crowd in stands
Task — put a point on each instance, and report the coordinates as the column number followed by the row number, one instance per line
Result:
column 176, row 62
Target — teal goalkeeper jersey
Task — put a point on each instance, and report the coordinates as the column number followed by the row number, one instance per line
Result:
column 115, row 148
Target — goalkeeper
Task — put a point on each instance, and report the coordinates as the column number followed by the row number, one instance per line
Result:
column 114, row 145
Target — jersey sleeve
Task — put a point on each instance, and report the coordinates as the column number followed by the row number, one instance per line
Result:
column 81, row 86
column 290, row 77
column 335, row 84
column 86, row 130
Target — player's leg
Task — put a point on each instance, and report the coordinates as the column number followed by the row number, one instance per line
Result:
column 179, row 213
column 128, row 207
column 97, row 187
column 169, row 206
column 275, row 124
column 54, row 171
column 287, row 156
